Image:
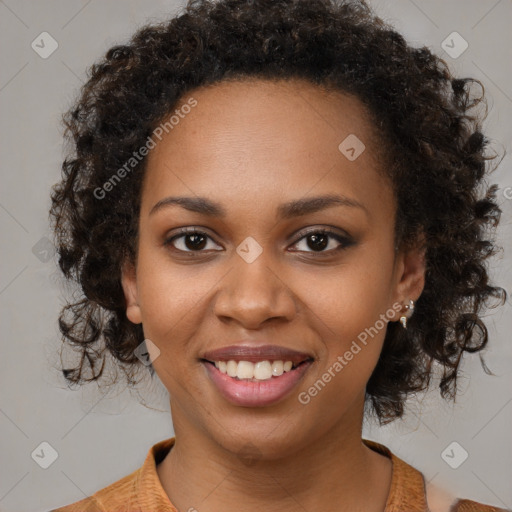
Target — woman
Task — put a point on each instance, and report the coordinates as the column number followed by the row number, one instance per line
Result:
column 279, row 205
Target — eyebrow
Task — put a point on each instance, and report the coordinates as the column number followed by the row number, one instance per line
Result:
column 287, row 210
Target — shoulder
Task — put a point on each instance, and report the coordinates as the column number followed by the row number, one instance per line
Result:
column 441, row 500
column 140, row 490
column 118, row 494
column 462, row 505
column 410, row 491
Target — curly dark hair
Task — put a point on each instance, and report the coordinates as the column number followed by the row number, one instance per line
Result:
column 434, row 159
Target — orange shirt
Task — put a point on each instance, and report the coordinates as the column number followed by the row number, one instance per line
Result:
column 141, row 491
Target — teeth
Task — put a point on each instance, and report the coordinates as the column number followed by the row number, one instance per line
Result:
column 277, row 368
column 245, row 370
column 262, row 370
column 231, row 368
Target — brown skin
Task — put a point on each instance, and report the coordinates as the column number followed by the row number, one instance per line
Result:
column 252, row 146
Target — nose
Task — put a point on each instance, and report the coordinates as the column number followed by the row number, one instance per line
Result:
column 254, row 293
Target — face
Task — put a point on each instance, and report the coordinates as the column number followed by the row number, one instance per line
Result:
column 265, row 261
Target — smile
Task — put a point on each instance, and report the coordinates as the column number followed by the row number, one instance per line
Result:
column 262, row 370
column 259, row 384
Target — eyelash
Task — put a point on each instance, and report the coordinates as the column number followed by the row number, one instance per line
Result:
column 345, row 241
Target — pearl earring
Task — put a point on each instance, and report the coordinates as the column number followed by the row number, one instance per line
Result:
column 408, row 313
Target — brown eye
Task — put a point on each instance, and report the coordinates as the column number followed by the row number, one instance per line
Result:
column 320, row 240
column 190, row 240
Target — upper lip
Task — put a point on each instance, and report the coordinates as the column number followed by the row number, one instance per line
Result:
column 256, row 353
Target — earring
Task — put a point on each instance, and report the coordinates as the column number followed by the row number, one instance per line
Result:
column 408, row 313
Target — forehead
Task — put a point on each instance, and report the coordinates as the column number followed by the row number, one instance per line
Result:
column 246, row 139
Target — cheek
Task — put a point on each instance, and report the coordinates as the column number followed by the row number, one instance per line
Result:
column 352, row 304
column 351, row 348
column 351, row 297
column 168, row 291
column 171, row 302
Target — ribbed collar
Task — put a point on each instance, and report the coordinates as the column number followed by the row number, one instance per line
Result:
column 407, row 491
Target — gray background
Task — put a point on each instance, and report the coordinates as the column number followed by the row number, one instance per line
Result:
column 100, row 439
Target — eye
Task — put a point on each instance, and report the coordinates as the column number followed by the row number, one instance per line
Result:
column 190, row 240
column 320, row 239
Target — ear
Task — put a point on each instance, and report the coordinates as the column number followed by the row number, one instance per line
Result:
column 129, row 284
column 410, row 268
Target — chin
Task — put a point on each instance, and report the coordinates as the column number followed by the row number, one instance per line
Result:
column 267, row 440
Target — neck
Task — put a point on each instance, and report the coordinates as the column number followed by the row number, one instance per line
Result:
column 333, row 471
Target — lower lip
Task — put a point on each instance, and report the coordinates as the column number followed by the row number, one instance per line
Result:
column 256, row 393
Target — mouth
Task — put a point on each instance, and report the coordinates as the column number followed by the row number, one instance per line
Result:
column 249, row 371
column 259, row 383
